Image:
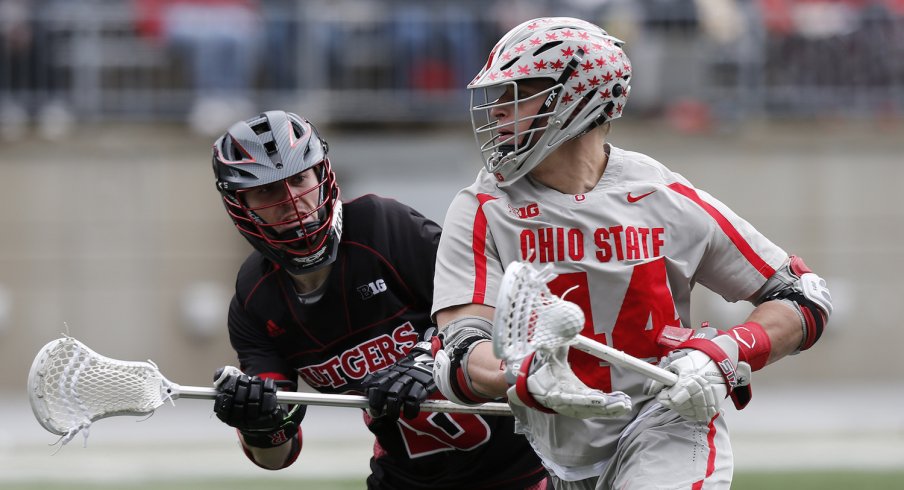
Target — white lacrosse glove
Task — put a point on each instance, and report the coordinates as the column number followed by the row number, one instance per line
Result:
column 708, row 371
column 546, row 382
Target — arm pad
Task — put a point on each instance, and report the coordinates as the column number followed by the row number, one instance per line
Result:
column 796, row 286
column 450, row 369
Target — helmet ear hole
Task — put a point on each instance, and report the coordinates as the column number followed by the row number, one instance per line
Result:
column 617, row 90
column 231, row 150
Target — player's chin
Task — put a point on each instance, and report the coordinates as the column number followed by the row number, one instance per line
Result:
column 283, row 230
column 291, row 227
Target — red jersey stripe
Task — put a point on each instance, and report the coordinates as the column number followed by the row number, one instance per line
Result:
column 746, row 250
column 711, row 459
column 479, row 247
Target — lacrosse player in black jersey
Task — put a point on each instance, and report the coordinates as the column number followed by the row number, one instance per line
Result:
column 339, row 293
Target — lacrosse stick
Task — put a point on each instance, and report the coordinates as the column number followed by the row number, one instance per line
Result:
column 70, row 386
column 530, row 318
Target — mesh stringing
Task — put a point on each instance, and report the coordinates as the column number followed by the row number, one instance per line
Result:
column 529, row 317
column 77, row 386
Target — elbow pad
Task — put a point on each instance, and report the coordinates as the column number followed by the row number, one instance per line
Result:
column 451, row 352
column 806, row 293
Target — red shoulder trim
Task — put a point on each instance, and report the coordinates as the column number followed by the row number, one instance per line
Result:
column 733, row 234
column 479, row 248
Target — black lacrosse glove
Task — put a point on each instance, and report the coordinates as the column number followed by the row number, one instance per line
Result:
column 249, row 404
column 401, row 387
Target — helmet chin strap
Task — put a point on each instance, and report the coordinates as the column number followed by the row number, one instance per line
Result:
column 307, row 229
column 506, row 149
column 311, row 228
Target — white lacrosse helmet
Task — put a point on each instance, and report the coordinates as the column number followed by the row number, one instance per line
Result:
column 590, row 75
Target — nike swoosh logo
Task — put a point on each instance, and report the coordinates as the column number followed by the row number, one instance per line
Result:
column 638, row 198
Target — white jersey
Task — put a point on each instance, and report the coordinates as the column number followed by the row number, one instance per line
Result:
column 635, row 245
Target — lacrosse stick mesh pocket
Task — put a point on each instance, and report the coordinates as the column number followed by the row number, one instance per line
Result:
column 70, row 386
column 555, row 321
column 529, row 317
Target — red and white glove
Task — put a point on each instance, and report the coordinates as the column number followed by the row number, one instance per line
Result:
column 545, row 382
column 711, row 366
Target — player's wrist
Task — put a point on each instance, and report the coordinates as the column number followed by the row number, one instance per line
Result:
column 266, row 439
column 724, row 351
column 485, row 375
column 470, row 373
column 519, row 373
column 275, row 458
column 754, row 345
column 289, row 428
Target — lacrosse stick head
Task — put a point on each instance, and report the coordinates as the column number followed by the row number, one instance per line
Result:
column 529, row 317
column 70, row 386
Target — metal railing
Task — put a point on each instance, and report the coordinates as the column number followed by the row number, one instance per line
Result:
column 360, row 61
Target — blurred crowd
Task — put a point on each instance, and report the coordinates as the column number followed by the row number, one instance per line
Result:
column 208, row 60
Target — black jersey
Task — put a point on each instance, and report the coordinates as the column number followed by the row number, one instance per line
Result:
column 375, row 303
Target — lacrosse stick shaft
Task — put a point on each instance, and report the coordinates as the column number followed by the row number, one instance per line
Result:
column 620, row 358
column 349, row 401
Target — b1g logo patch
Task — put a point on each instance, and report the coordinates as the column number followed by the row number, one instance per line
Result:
column 372, row 289
column 532, row 210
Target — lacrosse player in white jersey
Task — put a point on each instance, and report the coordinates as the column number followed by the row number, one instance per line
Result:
column 628, row 239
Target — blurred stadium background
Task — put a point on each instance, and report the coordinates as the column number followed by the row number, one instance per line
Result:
column 790, row 111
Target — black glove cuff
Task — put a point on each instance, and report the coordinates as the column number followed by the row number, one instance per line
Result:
column 285, row 432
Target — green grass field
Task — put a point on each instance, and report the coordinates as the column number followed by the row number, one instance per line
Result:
column 796, row 480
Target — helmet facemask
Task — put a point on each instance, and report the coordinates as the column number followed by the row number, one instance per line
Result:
column 291, row 217
column 501, row 143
